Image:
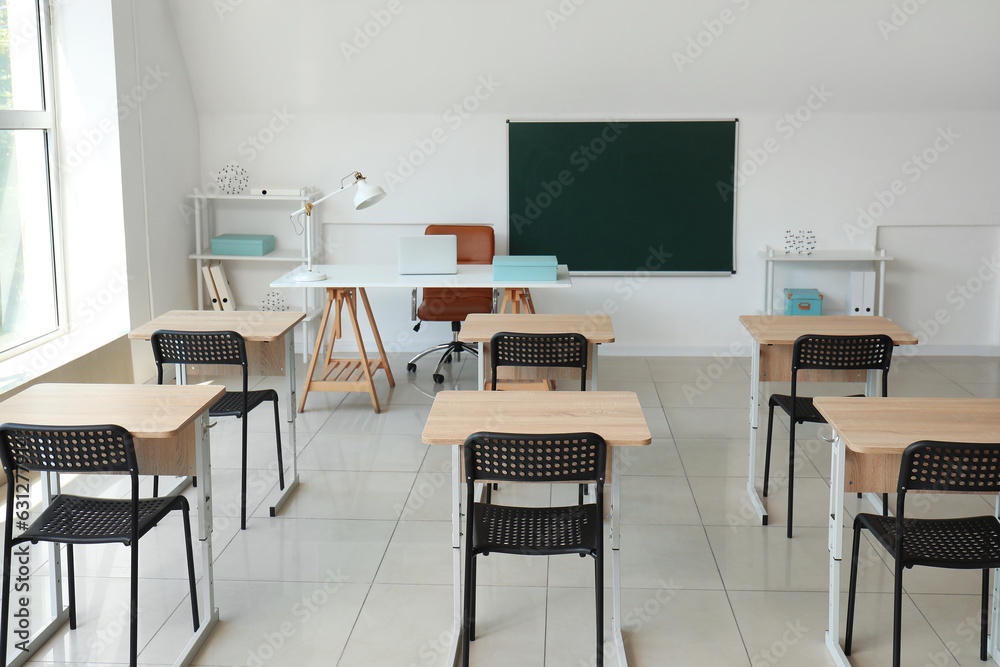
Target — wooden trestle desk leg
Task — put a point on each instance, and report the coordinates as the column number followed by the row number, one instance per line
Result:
column 517, row 297
column 350, row 375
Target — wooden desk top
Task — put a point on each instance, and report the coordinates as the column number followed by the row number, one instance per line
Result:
column 481, row 327
column 254, row 326
column 614, row 415
column 889, row 425
column 784, row 329
column 145, row 410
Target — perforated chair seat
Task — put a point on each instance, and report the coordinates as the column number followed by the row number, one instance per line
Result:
column 543, row 531
column 966, row 543
column 86, row 520
column 231, row 403
column 804, row 408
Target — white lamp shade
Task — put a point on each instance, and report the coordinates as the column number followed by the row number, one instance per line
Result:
column 367, row 195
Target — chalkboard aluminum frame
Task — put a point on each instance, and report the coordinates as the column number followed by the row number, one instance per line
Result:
column 639, row 270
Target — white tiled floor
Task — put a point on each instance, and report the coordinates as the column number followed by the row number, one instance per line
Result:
column 357, row 569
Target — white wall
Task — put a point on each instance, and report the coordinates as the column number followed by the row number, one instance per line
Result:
column 834, row 100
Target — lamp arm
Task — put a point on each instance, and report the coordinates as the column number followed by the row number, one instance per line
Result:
column 307, row 209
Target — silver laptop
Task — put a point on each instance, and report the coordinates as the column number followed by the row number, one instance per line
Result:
column 430, row 253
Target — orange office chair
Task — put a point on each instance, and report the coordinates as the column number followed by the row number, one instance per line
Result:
column 476, row 245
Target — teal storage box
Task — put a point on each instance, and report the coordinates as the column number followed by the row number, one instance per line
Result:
column 243, row 244
column 803, row 302
column 527, row 268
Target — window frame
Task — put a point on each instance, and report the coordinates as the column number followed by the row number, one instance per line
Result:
column 44, row 120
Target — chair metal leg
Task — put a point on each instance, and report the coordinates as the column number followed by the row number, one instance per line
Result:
column 190, row 565
column 853, row 589
column 984, row 615
column 133, row 638
column 897, row 613
column 243, row 477
column 767, row 450
column 467, row 613
column 599, row 601
column 156, row 486
column 277, row 437
column 71, row 585
column 791, row 474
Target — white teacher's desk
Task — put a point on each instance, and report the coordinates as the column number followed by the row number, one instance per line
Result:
column 346, row 282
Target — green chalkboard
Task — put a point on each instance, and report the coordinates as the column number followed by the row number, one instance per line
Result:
column 617, row 197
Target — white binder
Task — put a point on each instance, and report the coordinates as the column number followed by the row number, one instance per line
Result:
column 213, row 294
column 861, row 293
column 226, row 300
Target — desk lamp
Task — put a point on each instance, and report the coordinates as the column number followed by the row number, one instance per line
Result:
column 366, row 195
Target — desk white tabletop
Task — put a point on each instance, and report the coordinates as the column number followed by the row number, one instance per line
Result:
column 387, row 275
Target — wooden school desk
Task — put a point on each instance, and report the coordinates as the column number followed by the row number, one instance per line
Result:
column 345, row 283
column 870, row 436
column 771, row 361
column 270, row 343
column 614, row 415
column 170, row 439
column 479, row 328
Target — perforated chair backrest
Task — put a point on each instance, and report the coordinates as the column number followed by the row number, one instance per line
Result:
column 869, row 352
column 199, row 347
column 565, row 350
column 68, row 449
column 950, row 466
column 508, row 457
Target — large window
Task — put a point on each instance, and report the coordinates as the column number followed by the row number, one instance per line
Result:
column 28, row 287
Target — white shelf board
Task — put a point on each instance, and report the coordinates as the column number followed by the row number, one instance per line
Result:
column 827, row 256
column 273, row 256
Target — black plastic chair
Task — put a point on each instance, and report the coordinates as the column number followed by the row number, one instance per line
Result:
column 564, row 350
column 814, row 352
column 220, row 347
column 961, row 543
column 541, row 531
column 73, row 520
column 557, row 350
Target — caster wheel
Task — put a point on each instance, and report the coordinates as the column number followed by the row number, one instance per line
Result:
column 438, row 379
column 411, row 368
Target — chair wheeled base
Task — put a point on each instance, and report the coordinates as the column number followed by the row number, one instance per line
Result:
column 450, row 350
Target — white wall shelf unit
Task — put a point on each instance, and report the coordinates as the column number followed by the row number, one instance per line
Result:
column 772, row 257
column 205, row 229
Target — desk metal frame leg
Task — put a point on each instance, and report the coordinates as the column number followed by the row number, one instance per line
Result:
column 454, row 651
column 206, row 594
column 835, row 544
column 352, row 375
column 755, row 500
column 616, row 566
column 290, row 395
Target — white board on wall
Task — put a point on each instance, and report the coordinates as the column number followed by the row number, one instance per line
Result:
column 944, row 285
